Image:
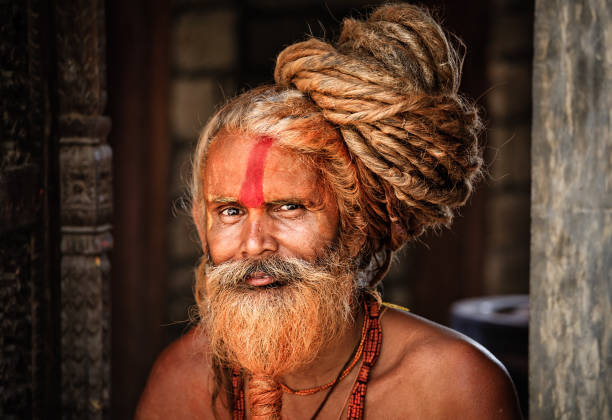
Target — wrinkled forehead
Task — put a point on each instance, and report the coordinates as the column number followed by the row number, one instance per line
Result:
column 254, row 169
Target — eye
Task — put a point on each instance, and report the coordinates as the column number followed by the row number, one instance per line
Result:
column 290, row 211
column 290, row 207
column 230, row 212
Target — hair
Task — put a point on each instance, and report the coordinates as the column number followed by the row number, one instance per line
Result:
column 379, row 115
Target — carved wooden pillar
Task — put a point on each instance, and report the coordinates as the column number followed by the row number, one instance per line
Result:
column 55, row 195
column 85, row 209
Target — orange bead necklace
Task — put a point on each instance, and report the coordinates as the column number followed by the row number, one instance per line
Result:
column 356, row 356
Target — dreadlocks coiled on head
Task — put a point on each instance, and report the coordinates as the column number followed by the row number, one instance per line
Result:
column 380, row 117
column 390, row 86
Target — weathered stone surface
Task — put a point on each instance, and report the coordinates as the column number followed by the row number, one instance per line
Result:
column 507, row 264
column 261, row 54
column 184, row 243
column 180, row 174
column 180, row 283
column 571, row 237
column 520, row 44
column 508, row 144
column 276, row 4
column 510, row 155
column 506, row 272
column 192, row 103
column 205, row 40
column 509, row 213
column 511, row 86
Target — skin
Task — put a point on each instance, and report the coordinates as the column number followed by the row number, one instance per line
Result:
column 424, row 371
column 297, row 218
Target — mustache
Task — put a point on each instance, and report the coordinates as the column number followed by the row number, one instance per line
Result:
column 281, row 329
column 284, row 270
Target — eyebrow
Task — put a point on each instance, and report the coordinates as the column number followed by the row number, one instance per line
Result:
column 289, row 200
column 223, row 200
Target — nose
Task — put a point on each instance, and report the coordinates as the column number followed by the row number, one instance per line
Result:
column 257, row 237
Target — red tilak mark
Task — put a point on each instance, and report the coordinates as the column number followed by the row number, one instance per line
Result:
column 251, row 192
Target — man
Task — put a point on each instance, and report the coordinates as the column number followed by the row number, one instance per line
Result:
column 302, row 191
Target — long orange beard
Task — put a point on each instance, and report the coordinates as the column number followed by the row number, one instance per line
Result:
column 274, row 331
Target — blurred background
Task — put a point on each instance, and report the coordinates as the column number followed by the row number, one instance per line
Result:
column 170, row 64
column 97, row 250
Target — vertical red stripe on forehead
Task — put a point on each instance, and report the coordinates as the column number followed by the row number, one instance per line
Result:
column 251, row 192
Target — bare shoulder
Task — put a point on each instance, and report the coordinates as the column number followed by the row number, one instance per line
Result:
column 428, row 371
column 178, row 385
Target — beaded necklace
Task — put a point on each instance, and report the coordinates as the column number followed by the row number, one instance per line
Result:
column 369, row 348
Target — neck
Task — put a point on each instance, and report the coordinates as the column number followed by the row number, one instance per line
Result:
column 331, row 359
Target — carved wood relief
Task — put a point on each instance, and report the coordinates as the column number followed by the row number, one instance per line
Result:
column 22, row 123
column 86, row 209
column 55, row 210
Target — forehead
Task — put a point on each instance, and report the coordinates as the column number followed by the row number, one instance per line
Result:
column 235, row 161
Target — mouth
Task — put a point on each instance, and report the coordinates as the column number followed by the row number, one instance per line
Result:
column 260, row 279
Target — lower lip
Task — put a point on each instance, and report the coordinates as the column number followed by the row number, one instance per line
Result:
column 258, row 281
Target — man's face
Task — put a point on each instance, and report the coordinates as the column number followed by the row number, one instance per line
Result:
column 262, row 200
column 270, row 223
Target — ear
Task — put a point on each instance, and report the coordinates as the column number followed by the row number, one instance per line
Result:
column 199, row 216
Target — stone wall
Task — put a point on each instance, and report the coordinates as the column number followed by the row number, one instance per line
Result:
column 571, row 208
column 204, row 39
column 508, row 144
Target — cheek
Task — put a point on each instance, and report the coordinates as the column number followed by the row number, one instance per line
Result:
column 222, row 244
column 328, row 220
column 328, row 224
column 309, row 237
column 201, row 223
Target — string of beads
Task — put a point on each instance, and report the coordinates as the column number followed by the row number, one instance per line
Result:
column 349, row 368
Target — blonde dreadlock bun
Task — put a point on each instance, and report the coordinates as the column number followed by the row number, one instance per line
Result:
column 390, row 87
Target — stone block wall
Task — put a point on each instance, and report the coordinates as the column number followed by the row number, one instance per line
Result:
column 204, row 40
column 508, row 144
column 570, row 342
